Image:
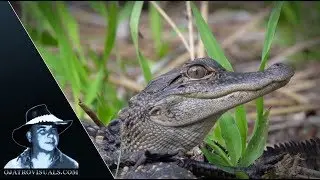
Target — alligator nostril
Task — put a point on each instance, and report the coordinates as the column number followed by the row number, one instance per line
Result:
column 181, row 86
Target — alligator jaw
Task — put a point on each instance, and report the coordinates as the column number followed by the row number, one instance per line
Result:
column 205, row 101
column 269, row 80
column 227, row 101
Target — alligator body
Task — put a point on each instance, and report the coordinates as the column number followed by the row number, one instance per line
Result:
column 289, row 160
column 175, row 112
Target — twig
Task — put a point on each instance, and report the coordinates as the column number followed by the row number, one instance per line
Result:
column 293, row 95
column 91, row 114
column 305, row 74
column 301, row 85
column 204, row 12
column 294, row 49
column 190, row 27
column 173, row 25
column 176, row 62
column 125, row 82
column 163, row 62
column 286, row 124
column 227, row 42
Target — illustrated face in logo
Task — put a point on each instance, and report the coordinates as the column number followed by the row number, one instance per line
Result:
column 43, row 137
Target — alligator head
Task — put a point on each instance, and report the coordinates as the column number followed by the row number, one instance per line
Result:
column 177, row 109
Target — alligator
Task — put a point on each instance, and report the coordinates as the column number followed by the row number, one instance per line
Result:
column 151, row 137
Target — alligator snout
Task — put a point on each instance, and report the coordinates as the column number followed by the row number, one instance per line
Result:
column 280, row 71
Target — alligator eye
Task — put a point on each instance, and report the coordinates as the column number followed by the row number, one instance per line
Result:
column 155, row 111
column 197, row 72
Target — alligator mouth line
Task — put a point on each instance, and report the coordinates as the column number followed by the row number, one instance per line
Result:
column 205, row 95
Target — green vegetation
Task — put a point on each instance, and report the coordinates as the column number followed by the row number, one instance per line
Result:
column 232, row 134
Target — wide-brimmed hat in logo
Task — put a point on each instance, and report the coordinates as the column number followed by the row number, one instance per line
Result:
column 38, row 115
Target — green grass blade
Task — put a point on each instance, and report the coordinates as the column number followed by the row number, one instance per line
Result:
column 46, row 39
column 99, row 7
column 103, row 110
column 71, row 28
column 69, row 63
column 232, row 137
column 38, row 14
column 260, row 107
column 220, row 152
column 216, row 135
column 94, row 87
column 257, row 143
column 218, row 161
column 52, row 61
column 214, row 158
column 145, row 67
column 40, row 32
column 70, row 24
column 156, row 28
column 134, row 23
column 71, row 73
column 125, row 12
column 70, row 68
column 290, row 12
column 242, row 124
column 48, row 12
column 259, row 136
column 112, row 20
column 271, row 29
column 109, row 102
column 210, row 43
column 72, row 39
